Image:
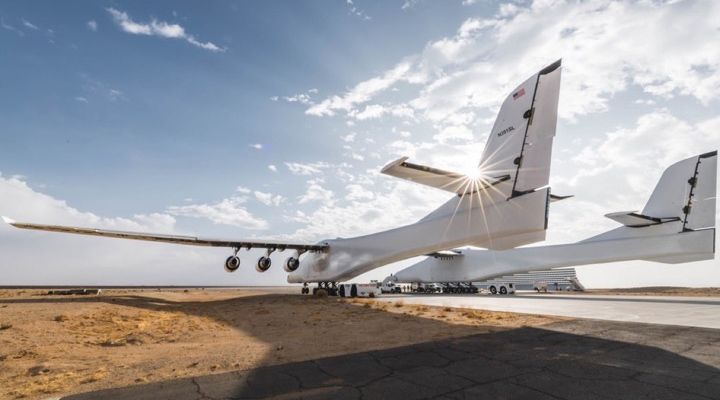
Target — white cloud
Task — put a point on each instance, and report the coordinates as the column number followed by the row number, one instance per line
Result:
column 29, row 25
column 256, row 146
column 159, row 28
column 607, row 46
column 81, row 99
column 357, row 192
column 92, row 25
column 269, row 199
column 307, row 169
column 356, row 11
column 243, row 190
column 272, row 168
column 11, row 28
column 226, row 212
column 361, row 93
column 349, row 138
column 315, row 192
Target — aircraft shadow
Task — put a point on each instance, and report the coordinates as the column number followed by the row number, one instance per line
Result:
column 577, row 359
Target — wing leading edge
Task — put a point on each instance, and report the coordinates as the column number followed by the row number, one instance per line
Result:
column 176, row 239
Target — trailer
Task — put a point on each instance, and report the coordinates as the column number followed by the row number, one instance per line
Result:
column 359, row 290
column 502, row 288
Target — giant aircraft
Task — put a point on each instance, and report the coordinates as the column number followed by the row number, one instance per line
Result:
column 502, row 206
column 677, row 225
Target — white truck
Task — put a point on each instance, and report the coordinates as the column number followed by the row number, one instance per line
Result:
column 502, row 288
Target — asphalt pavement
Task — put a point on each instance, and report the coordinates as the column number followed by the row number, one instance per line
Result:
column 576, row 359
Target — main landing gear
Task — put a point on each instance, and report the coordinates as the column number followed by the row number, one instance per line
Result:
column 322, row 289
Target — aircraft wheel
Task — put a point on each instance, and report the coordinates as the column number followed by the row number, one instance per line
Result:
column 493, row 290
column 353, row 291
column 341, row 292
column 503, row 290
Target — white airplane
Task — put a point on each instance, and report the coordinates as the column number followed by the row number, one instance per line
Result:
column 676, row 226
column 502, row 206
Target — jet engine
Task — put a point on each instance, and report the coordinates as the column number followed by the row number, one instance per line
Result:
column 291, row 264
column 263, row 264
column 232, row 263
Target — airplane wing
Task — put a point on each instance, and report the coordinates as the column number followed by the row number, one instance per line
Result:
column 177, row 239
column 440, row 179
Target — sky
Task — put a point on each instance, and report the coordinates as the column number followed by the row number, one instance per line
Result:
column 272, row 119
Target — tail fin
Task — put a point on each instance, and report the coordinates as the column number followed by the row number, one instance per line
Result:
column 687, row 190
column 681, row 208
column 520, row 143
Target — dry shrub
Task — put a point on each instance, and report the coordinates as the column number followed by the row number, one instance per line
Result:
column 5, row 326
column 399, row 303
column 61, row 318
column 447, row 309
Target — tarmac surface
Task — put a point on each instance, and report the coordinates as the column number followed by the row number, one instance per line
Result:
column 577, row 359
column 703, row 312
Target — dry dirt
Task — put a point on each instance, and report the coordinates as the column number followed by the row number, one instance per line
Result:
column 53, row 345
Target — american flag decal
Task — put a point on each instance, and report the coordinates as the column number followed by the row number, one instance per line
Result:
column 518, row 94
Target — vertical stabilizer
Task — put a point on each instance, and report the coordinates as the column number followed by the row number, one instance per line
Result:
column 687, row 190
column 520, row 143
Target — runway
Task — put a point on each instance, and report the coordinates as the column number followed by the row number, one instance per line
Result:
column 702, row 312
column 578, row 359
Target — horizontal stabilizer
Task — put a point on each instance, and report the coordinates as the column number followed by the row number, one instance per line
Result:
column 634, row 220
column 440, row 179
column 445, row 254
column 554, row 197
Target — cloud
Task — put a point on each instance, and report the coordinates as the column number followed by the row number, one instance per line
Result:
column 607, row 47
column 361, row 93
column 272, row 168
column 11, row 28
column 349, row 138
column 307, row 169
column 256, row 146
column 92, row 25
column 225, row 212
column 81, row 99
column 159, row 28
column 29, row 25
column 357, row 192
column 354, row 10
column 269, row 199
column 315, row 192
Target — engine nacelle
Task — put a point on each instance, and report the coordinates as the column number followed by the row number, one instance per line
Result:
column 291, row 264
column 232, row 263
column 263, row 264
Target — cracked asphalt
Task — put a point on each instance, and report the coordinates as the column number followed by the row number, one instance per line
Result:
column 579, row 359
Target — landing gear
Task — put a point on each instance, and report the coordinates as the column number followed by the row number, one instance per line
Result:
column 493, row 290
column 329, row 288
column 305, row 289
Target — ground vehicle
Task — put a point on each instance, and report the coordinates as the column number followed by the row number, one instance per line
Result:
column 388, row 285
column 502, row 288
column 358, row 290
column 540, row 286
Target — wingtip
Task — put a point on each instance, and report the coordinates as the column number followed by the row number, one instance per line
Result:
column 7, row 220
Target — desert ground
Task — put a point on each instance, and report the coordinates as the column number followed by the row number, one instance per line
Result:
column 56, row 345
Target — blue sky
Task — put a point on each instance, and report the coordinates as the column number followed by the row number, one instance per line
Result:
column 272, row 118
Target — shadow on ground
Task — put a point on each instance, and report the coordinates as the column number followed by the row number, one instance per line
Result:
column 579, row 359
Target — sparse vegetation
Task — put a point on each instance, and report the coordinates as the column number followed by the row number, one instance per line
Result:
column 5, row 326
